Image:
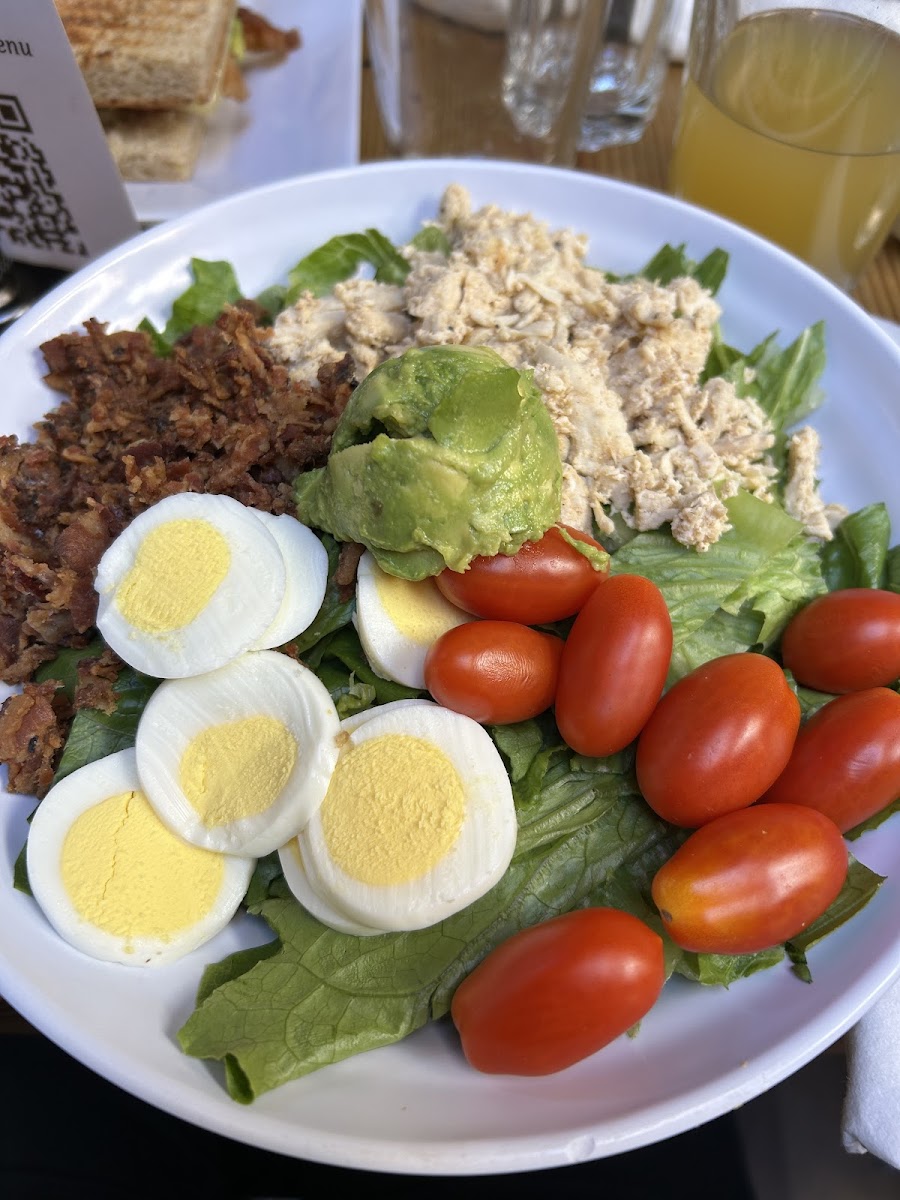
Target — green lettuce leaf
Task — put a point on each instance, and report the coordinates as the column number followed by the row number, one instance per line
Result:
column 337, row 607
column 215, row 285
column 339, row 258
column 859, row 887
column 721, row 970
column 321, row 996
column 339, row 660
column 431, row 238
column 672, row 262
column 20, row 870
column 732, row 363
column 94, row 734
column 64, row 668
column 785, row 382
column 858, row 554
column 892, row 570
column 874, row 821
column 738, row 594
column 310, row 996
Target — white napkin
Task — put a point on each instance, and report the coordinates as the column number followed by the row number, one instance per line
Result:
column 871, row 1118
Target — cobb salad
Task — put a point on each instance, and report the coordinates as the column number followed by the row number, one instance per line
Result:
column 585, row 835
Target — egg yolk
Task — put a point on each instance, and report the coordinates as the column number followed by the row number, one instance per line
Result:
column 237, row 769
column 415, row 607
column 393, row 810
column 127, row 874
column 176, row 571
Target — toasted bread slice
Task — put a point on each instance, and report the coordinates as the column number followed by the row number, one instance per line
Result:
column 154, row 146
column 139, row 54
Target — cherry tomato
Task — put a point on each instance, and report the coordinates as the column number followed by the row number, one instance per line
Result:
column 846, row 760
column 717, row 739
column 495, row 672
column 546, row 580
column 845, row 641
column 751, row 879
column 559, row 991
column 614, row 665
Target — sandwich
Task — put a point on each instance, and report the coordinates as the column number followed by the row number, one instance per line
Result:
column 156, row 70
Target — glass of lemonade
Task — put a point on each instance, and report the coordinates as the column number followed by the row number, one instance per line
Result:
column 790, row 124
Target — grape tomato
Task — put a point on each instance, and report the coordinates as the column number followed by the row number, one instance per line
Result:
column 556, row 992
column 614, row 665
column 717, row 739
column 846, row 760
column 496, row 672
column 845, row 641
column 751, row 879
column 547, row 580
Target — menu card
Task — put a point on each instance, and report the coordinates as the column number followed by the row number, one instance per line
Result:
column 62, row 201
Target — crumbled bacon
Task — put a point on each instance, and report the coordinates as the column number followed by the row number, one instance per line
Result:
column 96, row 682
column 220, row 415
column 32, row 731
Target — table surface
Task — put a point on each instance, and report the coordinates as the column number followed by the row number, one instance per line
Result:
column 643, row 163
column 646, row 163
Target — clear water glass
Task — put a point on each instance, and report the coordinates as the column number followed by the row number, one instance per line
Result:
column 629, row 59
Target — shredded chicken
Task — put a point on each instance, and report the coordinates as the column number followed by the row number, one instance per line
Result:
column 618, row 362
column 801, row 494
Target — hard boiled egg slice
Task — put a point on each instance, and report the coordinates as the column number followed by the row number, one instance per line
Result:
column 417, row 823
column 114, row 881
column 240, row 758
column 296, row 879
column 191, row 583
column 307, row 892
column 398, row 619
column 352, row 723
column 306, row 567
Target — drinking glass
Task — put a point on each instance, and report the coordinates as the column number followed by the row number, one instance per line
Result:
column 629, row 61
column 790, row 124
column 441, row 76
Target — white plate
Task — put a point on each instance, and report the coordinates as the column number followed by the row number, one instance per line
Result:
column 415, row 1107
column 891, row 328
column 302, row 113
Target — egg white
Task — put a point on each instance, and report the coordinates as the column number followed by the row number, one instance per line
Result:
column 397, row 642
column 61, row 807
column 261, row 683
column 480, row 854
column 301, row 878
column 352, row 723
column 306, row 578
column 241, row 609
column 296, row 878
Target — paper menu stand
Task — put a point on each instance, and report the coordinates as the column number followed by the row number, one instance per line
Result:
column 62, row 201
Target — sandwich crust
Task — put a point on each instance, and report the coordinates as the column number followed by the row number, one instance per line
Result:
column 141, row 55
column 154, row 145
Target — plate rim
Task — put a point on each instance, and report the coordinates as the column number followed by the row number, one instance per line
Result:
column 455, row 1158
column 168, row 228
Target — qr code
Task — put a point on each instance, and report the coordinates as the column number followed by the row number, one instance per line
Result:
column 32, row 210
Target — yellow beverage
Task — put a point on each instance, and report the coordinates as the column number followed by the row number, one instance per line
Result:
column 795, row 132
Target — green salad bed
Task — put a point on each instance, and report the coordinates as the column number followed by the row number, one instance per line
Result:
column 311, row 996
